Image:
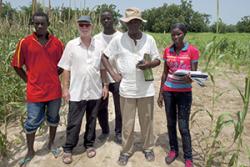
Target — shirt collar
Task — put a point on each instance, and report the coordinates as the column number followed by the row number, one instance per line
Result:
column 185, row 47
column 79, row 42
column 35, row 36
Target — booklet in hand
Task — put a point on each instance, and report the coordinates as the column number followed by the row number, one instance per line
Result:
column 197, row 76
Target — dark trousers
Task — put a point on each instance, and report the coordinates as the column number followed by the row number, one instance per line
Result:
column 103, row 110
column 75, row 115
column 178, row 105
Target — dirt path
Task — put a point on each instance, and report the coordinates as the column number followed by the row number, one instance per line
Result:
column 108, row 152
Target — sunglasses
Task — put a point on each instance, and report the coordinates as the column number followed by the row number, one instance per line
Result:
column 84, row 25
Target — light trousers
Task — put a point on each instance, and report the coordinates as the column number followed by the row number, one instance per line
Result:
column 145, row 107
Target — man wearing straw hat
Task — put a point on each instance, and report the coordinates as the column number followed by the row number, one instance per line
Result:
column 135, row 92
column 82, row 87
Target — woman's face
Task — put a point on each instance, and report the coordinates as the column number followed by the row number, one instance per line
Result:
column 177, row 36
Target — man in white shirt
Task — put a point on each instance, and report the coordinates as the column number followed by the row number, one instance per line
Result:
column 105, row 37
column 82, row 87
column 135, row 93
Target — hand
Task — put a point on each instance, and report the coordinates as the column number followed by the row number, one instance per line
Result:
column 105, row 92
column 142, row 65
column 160, row 100
column 66, row 95
column 187, row 78
column 117, row 77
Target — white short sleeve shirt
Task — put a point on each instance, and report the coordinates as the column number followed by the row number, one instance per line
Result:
column 127, row 55
column 84, row 66
column 105, row 39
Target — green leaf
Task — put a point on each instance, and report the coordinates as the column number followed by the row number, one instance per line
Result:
column 233, row 159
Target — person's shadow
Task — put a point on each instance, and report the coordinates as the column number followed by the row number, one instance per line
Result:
column 163, row 141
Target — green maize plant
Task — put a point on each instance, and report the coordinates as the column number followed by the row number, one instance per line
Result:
column 239, row 123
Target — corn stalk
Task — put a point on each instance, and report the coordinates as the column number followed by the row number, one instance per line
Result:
column 217, row 16
column 239, row 125
column 34, row 6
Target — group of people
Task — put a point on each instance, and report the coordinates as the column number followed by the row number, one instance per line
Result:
column 91, row 67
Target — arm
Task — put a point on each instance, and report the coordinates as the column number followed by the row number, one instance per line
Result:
column 154, row 63
column 163, row 79
column 149, row 64
column 107, row 65
column 21, row 73
column 150, row 59
column 105, row 90
column 65, row 84
column 194, row 67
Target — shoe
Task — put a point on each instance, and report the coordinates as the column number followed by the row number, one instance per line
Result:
column 172, row 155
column 118, row 138
column 188, row 163
column 56, row 152
column 123, row 159
column 149, row 155
column 103, row 137
column 24, row 161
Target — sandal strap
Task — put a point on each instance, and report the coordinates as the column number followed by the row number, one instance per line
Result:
column 55, row 151
column 123, row 159
column 149, row 155
column 25, row 160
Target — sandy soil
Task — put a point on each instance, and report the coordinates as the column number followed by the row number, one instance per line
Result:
column 108, row 152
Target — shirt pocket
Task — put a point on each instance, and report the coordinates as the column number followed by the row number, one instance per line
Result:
column 96, row 61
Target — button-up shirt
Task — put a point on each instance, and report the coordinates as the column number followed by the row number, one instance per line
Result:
column 127, row 55
column 84, row 66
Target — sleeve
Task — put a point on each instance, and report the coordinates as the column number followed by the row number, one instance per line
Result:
column 194, row 55
column 154, row 50
column 60, row 48
column 112, row 48
column 65, row 61
column 19, row 55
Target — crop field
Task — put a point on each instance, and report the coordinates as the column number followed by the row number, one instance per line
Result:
column 220, row 115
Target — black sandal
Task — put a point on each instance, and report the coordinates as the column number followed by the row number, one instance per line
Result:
column 123, row 159
column 149, row 155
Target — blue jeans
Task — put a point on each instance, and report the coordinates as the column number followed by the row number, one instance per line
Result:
column 37, row 111
column 178, row 105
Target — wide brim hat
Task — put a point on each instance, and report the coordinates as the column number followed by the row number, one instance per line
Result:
column 132, row 13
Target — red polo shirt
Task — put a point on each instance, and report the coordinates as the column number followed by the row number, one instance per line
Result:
column 40, row 62
column 188, row 55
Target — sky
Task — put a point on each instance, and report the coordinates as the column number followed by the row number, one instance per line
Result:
column 231, row 11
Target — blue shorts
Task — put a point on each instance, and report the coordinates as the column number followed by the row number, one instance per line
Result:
column 36, row 112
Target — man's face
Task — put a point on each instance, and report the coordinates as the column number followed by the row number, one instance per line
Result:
column 40, row 24
column 107, row 20
column 134, row 26
column 85, row 28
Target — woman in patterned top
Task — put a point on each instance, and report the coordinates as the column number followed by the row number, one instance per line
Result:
column 177, row 92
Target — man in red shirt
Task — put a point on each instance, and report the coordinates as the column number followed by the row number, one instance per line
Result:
column 40, row 53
